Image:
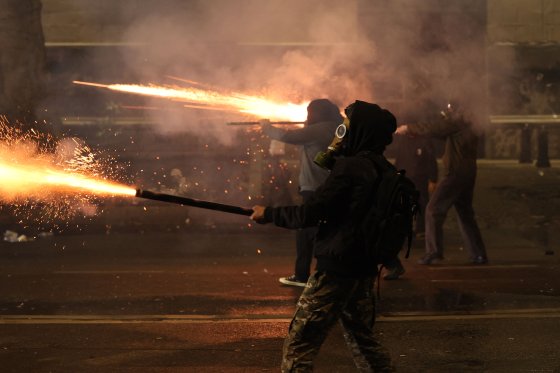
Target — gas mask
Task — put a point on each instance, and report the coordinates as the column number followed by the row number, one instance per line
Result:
column 450, row 112
column 326, row 159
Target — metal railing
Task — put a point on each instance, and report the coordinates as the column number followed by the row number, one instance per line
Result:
column 527, row 124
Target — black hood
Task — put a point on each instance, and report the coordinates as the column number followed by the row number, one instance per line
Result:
column 323, row 110
column 371, row 128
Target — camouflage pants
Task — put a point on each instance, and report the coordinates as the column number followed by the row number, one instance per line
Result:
column 326, row 299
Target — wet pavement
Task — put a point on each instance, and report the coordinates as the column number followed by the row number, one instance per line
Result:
column 136, row 292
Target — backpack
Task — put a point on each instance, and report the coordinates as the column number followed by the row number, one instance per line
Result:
column 390, row 214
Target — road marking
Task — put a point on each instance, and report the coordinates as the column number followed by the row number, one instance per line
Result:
column 109, row 272
column 138, row 319
column 197, row 319
column 465, row 280
column 431, row 268
column 488, row 315
column 471, row 266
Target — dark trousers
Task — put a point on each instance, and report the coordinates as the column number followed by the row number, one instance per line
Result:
column 326, row 299
column 453, row 191
column 304, row 246
column 421, row 182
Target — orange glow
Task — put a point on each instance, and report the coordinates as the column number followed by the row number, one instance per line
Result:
column 48, row 181
column 27, row 180
column 210, row 99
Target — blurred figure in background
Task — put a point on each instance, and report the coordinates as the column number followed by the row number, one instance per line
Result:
column 456, row 188
column 322, row 119
column 415, row 155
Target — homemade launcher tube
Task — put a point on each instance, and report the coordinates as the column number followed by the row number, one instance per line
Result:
column 192, row 202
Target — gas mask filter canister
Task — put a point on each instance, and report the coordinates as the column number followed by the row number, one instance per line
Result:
column 326, row 159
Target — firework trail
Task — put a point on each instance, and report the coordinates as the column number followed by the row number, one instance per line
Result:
column 200, row 98
column 45, row 186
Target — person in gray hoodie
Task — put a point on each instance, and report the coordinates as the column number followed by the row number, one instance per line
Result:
column 322, row 119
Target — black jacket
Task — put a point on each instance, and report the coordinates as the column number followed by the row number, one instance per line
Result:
column 337, row 207
column 461, row 143
column 417, row 157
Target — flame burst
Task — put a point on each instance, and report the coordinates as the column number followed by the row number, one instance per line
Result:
column 42, row 185
column 37, row 180
column 213, row 100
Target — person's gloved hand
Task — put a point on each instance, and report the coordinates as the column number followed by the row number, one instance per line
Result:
column 258, row 214
column 402, row 130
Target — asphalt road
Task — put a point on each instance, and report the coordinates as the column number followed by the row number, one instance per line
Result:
column 194, row 301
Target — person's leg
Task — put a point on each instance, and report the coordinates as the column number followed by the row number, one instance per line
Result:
column 305, row 239
column 467, row 223
column 440, row 202
column 304, row 247
column 304, row 252
column 357, row 320
column 421, row 183
column 318, row 308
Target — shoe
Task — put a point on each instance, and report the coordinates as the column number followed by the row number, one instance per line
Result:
column 431, row 258
column 292, row 281
column 394, row 273
column 479, row 260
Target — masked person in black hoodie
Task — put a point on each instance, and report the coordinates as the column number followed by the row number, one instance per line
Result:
column 342, row 286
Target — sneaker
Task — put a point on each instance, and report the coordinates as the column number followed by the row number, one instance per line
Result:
column 431, row 258
column 292, row 281
column 394, row 273
column 479, row 260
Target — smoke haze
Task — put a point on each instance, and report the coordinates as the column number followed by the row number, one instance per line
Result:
column 291, row 51
column 400, row 54
column 300, row 50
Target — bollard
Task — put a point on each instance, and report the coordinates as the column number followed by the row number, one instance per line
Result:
column 542, row 147
column 525, row 151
